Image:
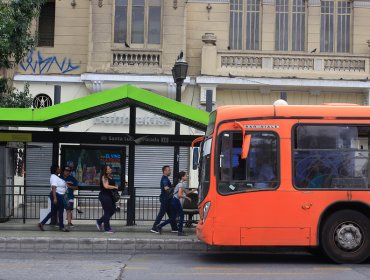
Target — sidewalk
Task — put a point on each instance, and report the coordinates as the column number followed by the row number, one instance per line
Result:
column 85, row 238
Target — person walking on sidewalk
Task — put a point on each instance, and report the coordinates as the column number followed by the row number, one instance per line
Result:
column 58, row 189
column 107, row 184
column 178, row 195
column 72, row 185
column 165, row 200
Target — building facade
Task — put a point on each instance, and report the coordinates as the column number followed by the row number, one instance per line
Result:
column 243, row 51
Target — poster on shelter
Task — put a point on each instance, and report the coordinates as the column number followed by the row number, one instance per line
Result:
column 87, row 162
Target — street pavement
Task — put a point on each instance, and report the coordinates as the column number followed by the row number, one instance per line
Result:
column 85, row 238
column 175, row 266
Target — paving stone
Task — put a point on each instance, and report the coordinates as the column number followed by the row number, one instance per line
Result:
column 2, row 243
column 56, row 245
column 28, row 244
column 171, row 244
column 13, row 244
column 70, row 245
column 142, row 245
column 114, row 245
column 100, row 245
column 85, row 245
column 128, row 245
column 157, row 244
column 186, row 245
column 42, row 244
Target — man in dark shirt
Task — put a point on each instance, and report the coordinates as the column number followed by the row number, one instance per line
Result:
column 72, row 184
column 165, row 199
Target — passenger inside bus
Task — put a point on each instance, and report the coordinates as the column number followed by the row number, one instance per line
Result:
column 265, row 174
column 315, row 179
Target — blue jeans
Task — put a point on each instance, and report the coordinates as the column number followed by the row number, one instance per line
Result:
column 109, row 207
column 166, row 207
column 176, row 211
column 59, row 207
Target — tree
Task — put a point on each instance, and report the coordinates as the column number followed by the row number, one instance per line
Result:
column 16, row 40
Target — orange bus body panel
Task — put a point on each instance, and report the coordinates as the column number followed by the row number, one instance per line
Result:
column 284, row 216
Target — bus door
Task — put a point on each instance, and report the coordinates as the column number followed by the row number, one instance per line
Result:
column 253, row 202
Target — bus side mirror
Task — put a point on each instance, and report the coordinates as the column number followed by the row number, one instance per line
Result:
column 195, row 158
column 246, row 145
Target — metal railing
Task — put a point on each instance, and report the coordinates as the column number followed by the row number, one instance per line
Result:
column 16, row 203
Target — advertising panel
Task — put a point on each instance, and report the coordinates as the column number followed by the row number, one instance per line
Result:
column 87, row 163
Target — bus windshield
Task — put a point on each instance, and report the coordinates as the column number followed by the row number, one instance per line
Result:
column 258, row 171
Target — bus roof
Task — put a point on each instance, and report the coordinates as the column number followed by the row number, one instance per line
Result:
column 330, row 111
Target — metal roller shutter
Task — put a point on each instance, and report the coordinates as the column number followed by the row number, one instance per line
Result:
column 148, row 167
column 38, row 162
column 184, row 159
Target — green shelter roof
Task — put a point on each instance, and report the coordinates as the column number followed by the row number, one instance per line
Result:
column 101, row 103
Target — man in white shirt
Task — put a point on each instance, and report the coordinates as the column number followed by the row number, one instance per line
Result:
column 58, row 189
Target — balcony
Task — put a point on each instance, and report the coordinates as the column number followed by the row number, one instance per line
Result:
column 283, row 64
column 136, row 60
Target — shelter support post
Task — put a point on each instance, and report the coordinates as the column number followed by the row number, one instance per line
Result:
column 131, row 170
column 55, row 156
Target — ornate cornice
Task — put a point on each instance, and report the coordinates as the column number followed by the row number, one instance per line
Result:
column 361, row 4
column 209, row 1
column 268, row 2
column 313, row 3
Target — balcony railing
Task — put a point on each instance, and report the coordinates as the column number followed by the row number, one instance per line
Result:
column 136, row 58
column 288, row 64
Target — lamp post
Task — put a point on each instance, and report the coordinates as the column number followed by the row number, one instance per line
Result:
column 179, row 71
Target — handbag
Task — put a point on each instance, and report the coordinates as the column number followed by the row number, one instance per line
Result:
column 115, row 195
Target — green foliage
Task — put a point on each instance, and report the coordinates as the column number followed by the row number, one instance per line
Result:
column 16, row 40
column 14, row 98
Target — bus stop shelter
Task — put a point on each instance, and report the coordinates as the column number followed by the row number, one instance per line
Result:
column 95, row 105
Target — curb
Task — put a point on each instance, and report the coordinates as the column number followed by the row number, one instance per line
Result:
column 98, row 245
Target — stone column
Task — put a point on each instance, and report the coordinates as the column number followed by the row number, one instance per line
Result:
column 268, row 28
column 209, row 54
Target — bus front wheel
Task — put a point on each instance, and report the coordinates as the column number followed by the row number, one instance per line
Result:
column 345, row 237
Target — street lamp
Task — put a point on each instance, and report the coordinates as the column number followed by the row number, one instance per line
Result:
column 179, row 71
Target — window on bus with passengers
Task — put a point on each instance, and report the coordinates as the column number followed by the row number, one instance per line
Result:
column 258, row 171
column 331, row 156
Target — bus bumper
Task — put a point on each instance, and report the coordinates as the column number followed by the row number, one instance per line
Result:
column 204, row 234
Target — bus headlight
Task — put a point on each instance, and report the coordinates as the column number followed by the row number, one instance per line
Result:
column 206, row 208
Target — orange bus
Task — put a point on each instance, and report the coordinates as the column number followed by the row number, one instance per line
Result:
column 289, row 175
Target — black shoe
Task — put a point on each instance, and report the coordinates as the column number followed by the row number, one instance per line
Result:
column 71, row 225
column 181, row 233
column 155, row 229
column 41, row 226
column 64, row 229
column 79, row 211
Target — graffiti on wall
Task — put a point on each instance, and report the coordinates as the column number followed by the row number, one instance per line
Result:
column 42, row 65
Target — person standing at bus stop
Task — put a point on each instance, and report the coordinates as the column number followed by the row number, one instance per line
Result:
column 58, row 189
column 107, row 184
column 72, row 184
column 165, row 199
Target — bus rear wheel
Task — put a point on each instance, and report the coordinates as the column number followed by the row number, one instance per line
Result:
column 345, row 237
